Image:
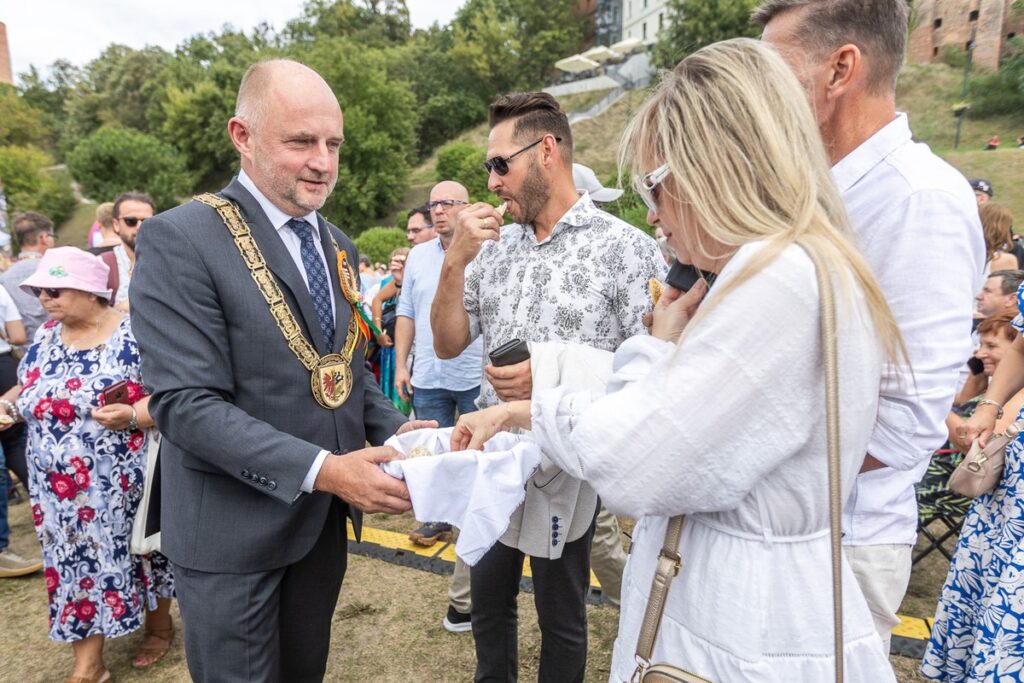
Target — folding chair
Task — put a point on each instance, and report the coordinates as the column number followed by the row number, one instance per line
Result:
column 936, row 503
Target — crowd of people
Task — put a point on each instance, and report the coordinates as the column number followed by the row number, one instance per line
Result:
column 275, row 361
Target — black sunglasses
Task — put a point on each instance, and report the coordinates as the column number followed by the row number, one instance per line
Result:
column 500, row 164
column 131, row 221
column 50, row 292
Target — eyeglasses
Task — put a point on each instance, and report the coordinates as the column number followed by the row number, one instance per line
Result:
column 444, row 203
column 131, row 221
column 500, row 164
column 416, row 231
column 646, row 185
column 50, row 292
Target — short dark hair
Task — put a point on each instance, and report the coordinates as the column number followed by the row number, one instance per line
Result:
column 878, row 27
column 29, row 226
column 1011, row 279
column 132, row 197
column 364, row 260
column 535, row 113
column 1000, row 323
column 422, row 210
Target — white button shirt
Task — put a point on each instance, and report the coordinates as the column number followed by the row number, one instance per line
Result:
column 917, row 220
column 279, row 219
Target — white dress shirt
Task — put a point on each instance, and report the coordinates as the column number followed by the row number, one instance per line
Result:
column 279, row 219
column 918, row 225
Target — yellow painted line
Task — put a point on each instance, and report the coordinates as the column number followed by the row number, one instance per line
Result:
column 594, row 583
column 912, row 627
column 390, row 539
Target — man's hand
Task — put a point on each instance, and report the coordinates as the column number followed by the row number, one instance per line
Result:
column 511, row 382
column 403, row 382
column 413, row 425
column 357, row 479
column 475, row 225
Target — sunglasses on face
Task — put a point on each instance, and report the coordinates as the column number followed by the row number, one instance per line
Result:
column 444, row 203
column 50, row 292
column 645, row 186
column 131, row 221
column 500, row 164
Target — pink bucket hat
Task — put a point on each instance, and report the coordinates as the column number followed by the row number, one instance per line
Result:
column 70, row 268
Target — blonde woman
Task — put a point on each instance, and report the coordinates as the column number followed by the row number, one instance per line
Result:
column 721, row 416
column 997, row 224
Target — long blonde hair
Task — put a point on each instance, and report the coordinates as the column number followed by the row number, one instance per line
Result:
column 744, row 153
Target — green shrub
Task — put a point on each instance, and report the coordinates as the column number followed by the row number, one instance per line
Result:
column 464, row 163
column 116, row 160
column 378, row 243
column 29, row 187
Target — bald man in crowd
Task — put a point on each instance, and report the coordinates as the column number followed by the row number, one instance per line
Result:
column 261, row 392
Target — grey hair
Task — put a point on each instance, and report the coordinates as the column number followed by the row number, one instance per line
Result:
column 877, row 27
column 250, row 105
column 1010, row 279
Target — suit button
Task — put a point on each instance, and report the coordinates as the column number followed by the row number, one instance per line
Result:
column 272, row 485
column 555, row 525
column 554, row 542
column 245, row 474
column 554, row 520
column 263, row 481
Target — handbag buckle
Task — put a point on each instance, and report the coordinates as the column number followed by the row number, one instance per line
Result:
column 669, row 563
column 642, row 665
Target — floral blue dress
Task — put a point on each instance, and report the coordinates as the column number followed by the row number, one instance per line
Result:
column 979, row 624
column 86, row 483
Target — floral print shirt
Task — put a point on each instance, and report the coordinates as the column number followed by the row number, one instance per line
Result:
column 586, row 283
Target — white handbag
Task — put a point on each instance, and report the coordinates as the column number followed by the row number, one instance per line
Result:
column 142, row 544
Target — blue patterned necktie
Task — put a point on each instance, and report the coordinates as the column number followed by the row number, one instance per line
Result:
column 316, row 276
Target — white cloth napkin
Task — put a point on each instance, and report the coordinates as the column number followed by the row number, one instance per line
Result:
column 476, row 491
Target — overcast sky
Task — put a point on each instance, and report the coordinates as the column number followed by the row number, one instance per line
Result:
column 40, row 32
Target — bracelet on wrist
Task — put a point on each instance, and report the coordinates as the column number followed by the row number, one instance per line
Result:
column 998, row 406
column 133, row 423
column 11, row 409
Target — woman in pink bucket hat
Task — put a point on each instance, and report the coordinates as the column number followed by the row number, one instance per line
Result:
column 81, row 396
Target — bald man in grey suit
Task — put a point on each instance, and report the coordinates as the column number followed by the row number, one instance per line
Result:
column 262, row 458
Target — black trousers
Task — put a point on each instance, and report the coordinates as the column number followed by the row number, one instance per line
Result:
column 272, row 626
column 12, row 439
column 560, row 595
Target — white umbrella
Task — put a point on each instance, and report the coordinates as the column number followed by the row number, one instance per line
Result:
column 624, row 47
column 575, row 64
column 600, row 53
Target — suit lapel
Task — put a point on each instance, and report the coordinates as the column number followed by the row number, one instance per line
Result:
column 342, row 310
column 279, row 261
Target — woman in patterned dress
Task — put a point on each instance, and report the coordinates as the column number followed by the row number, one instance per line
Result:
column 979, row 623
column 86, row 464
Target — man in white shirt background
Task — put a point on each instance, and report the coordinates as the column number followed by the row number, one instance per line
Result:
column 918, row 225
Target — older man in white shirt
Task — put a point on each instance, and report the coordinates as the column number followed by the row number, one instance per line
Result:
column 918, row 225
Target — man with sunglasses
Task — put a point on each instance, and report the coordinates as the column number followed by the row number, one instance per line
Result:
column 130, row 209
column 568, row 272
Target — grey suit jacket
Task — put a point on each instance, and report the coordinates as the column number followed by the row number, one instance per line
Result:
column 241, row 427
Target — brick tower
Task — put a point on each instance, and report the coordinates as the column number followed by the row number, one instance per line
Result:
column 5, row 57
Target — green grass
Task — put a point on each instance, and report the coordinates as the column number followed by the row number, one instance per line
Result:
column 74, row 232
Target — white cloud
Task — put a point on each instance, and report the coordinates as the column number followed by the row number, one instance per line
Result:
column 42, row 31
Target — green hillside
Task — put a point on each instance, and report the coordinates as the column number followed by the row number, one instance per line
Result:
column 926, row 92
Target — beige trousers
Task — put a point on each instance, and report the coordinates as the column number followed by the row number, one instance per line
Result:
column 883, row 572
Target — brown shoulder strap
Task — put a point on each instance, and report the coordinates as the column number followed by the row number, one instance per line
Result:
column 114, row 278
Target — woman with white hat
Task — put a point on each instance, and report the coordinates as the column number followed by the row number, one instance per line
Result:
column 82, row 398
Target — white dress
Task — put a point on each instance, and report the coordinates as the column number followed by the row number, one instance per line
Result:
column 729, row 430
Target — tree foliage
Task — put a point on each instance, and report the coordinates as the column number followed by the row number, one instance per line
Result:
column 464, row 163
column 692, row 24
column 20, row 123
column 116, row 160
column 378, row 243
column 28, row 186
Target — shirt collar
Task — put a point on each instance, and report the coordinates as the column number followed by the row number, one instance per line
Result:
column 278, row 218
column 580, row 215
column 871, row 152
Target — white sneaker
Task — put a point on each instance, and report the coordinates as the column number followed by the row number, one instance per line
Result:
column 12, row 564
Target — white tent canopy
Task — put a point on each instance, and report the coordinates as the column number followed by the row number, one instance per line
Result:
column 624, row 47
column 599, row 53
column 576, row 64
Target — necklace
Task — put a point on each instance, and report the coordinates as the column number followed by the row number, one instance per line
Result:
column 72, row 343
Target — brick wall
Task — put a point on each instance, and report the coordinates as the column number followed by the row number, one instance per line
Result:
column 944, row 23
column 5, row 57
